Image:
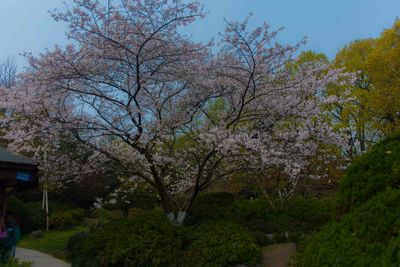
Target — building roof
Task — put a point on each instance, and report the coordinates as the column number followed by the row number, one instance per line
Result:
column 7, row 156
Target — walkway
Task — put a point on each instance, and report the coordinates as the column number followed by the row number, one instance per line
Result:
column 39, row 259
column 279, row 255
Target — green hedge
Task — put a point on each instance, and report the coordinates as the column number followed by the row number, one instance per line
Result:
column 368, row 236
column 147, row 240
column 211, row 206
column 67, row 219
column 372, row 173
column 30, row 215
column 222, row 244
column 299, row 214
column 137, row 199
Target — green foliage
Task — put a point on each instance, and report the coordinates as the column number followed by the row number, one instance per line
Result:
column 101, row 217
column 36, row 219
column 74, row 247
column 372, row 173
column 19, row 209
column 391, row 258
column 309, row 214
column 66, row 219
column 368, row 236
column 146, row 240
column 211, row 206
column 32, row 217
column 306, row 57
column 222, row 243
column 133, row 199
column 296, row 216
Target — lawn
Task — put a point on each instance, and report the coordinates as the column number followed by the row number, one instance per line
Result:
column 52, row 242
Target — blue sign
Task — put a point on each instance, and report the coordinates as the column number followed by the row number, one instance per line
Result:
column 24, row 176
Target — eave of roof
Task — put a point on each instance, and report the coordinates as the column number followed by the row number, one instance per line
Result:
column 11, row 157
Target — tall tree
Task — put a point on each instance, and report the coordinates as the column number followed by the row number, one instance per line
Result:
column 356, row 115
column 140, row 93
column 8, row 72
column 383, row 66
column 374, row 109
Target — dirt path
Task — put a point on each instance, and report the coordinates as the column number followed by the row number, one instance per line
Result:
column 278, row 255
column 39, row 259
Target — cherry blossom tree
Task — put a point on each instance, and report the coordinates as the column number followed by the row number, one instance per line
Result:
column 173, row 113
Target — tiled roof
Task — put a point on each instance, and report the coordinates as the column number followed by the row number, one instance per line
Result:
column 8, row 156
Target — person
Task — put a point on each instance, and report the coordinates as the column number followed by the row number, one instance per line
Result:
column 6, row 243
column 13, row 231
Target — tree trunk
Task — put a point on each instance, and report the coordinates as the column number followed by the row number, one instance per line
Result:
column 178, row 219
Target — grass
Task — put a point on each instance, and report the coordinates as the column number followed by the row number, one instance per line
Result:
column 52, row 242
column 16, row 263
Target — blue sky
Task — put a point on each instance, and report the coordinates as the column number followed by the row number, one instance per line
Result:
column 26, row 25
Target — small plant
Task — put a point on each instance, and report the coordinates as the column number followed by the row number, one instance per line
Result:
column 11, row 262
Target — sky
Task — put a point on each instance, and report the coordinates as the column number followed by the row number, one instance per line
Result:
column 26, row 25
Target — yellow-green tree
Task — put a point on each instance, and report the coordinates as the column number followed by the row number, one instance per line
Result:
column 374, row 109
column 383, row 67
column 355, row 115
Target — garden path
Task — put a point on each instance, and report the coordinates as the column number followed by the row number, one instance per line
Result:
column 278, row 255
column 39, row 259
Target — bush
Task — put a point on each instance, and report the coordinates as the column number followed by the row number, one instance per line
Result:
column 74, row 247
column 133, row 199
column 37, row 217
column 372, row 173
column 62, row 220
column 368, row 236
column 21, row 212
column 211, row 206
column 147, row 240
column 309, row 214
column 297, row 216
column 222, row 244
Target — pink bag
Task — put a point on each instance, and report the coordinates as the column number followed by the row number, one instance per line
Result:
column 3, row 234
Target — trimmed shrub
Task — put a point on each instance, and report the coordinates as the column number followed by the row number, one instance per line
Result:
column 297, row 216
column 372, row 173
column 222, row 244
column 133, row 199
column 20, row 210
column 74, row 247
column 101, row 217
column 211, row 206
column 146, row 240
column 391, row 257
column 309, row 214
column 149, row 239
column 37, row 217
column 368, row 236
column 62, row 220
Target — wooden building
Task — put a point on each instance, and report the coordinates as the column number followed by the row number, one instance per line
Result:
column 17, row 171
